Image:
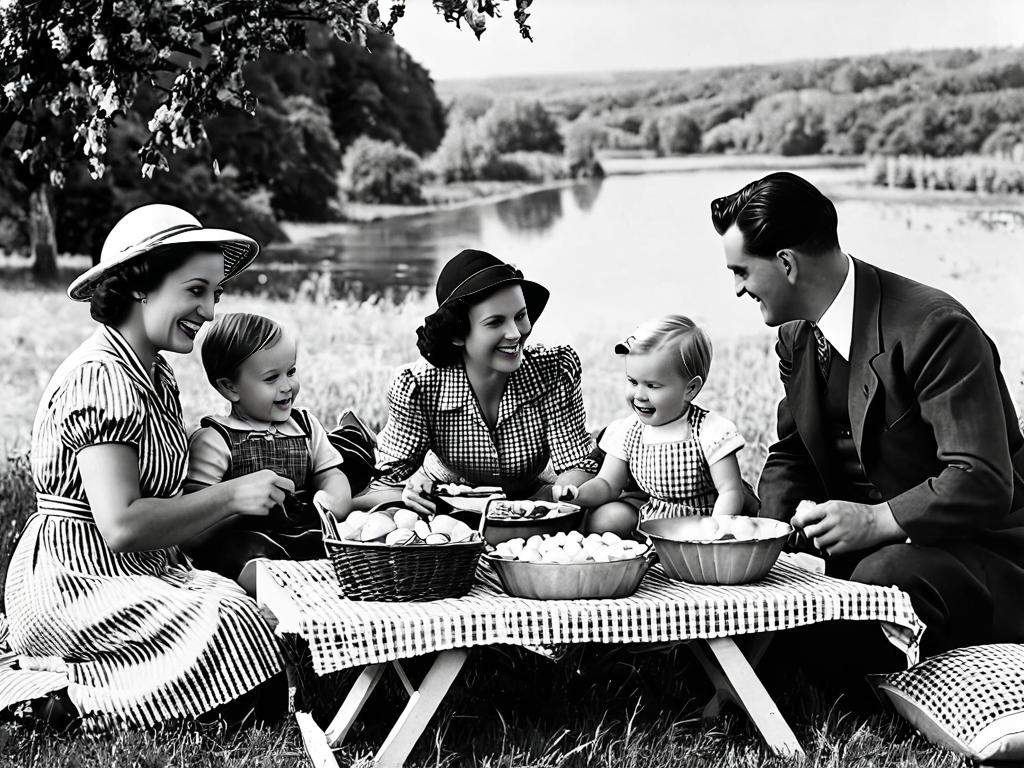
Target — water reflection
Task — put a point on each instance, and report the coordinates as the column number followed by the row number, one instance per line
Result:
column 535, row 213
column 616, row 252
column 586, row 193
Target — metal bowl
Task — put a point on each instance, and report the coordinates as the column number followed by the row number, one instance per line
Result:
column 685, row 557
column 573, row 581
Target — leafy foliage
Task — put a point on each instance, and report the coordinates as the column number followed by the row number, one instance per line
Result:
column 72, row 68
column 382, row 172
column 931, row 102
column 514, row 125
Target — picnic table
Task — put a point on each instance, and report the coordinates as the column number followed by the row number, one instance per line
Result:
column 341, row 634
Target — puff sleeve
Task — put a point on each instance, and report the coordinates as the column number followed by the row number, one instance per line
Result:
column 571, row 444
column 405, row 439
column 98, row 403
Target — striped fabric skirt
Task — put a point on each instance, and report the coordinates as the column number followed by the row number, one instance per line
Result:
column 142, row 636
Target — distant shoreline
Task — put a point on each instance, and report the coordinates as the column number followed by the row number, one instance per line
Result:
column 466, row 195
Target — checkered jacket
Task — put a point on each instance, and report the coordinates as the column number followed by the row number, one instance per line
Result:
column 434, row 422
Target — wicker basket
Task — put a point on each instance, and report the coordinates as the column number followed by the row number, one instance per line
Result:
column 403, row 572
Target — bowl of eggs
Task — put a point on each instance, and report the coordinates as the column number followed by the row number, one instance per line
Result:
column 570, row 566
column 717, row 550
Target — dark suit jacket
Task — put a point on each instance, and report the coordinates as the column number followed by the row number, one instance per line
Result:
column 930, row 414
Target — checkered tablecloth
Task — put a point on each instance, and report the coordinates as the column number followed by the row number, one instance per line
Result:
column 345, row 633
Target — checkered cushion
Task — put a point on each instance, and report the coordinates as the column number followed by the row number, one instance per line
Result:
column 969, row 700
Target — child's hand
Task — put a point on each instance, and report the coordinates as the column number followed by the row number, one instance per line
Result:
column 564, row 492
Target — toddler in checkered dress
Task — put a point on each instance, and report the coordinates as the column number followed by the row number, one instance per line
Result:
column 682, row 455
column 251, row 361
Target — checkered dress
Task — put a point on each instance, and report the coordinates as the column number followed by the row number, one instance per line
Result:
column 434, row 422
column 142, row 636
column 676, row 474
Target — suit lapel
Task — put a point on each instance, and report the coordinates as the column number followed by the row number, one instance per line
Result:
column 866, row 357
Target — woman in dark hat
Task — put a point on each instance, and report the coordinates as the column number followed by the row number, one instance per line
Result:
column 483, row 408
column 97, row 587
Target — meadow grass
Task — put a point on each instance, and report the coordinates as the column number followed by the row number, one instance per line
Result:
column 603, row 706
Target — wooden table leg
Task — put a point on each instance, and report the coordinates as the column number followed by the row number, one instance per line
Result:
column 749, row 692
column 423, row 703
column 753, row 646
column 353, row 704
column 315, row 742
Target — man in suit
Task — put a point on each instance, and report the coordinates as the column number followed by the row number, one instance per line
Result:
column 896, row 429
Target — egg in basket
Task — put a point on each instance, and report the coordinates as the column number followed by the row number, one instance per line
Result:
column 392, row 553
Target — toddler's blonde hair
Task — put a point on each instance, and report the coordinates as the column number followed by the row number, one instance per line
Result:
column 689, row 339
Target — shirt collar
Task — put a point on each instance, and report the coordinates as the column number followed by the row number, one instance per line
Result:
column 115, row 341
column 287, row 428
column 836, row 324
column 525, row 384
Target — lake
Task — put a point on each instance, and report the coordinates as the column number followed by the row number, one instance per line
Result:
column 629, row 247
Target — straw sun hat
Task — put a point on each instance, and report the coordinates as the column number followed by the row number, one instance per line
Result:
column 152, row 228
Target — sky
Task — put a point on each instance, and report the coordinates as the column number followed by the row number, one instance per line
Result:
column 572, row 36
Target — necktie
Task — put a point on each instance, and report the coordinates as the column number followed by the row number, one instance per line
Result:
column 824, row 350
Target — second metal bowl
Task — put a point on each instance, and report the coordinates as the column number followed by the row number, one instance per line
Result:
column 685, row 557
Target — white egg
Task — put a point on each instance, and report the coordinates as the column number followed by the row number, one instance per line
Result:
column 571, row 548
column 611, row 538
column 744, row 528
column 515, row 546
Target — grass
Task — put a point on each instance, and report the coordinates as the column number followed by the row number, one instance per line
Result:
column 603, row 706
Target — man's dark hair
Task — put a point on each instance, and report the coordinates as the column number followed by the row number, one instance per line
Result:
column 779, row 211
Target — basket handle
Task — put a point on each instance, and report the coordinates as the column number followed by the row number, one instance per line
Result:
column 328, row 525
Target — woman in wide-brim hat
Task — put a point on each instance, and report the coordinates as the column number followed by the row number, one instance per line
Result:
column 97, row 586
column 483, row 408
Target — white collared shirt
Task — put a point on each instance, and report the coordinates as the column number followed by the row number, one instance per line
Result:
column 836, row 324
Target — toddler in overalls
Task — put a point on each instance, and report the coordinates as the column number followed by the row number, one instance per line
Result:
column 251, row 361
column 681, row 455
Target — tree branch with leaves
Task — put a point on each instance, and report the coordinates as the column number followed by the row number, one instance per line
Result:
column 71, row 68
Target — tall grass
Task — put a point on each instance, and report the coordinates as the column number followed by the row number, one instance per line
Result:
column 603, row 706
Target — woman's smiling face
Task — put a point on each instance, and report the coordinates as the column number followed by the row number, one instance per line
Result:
column 498, row 328
column 175, row 310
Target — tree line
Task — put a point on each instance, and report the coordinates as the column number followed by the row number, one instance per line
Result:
column 318, row 120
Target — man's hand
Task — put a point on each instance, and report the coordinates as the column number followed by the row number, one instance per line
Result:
column 836, row 527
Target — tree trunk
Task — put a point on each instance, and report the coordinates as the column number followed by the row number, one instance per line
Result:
column 42, row 238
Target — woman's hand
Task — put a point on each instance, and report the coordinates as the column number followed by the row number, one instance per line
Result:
column 414, row 493
column 256, row 493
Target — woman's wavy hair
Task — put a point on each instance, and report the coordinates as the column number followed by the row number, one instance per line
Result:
column 436, row 338
column 114, row 295
column 782, row 210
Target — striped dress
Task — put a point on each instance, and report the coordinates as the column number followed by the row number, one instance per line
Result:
column 142, row 636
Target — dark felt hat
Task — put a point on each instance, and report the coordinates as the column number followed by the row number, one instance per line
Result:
column 473, row 273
